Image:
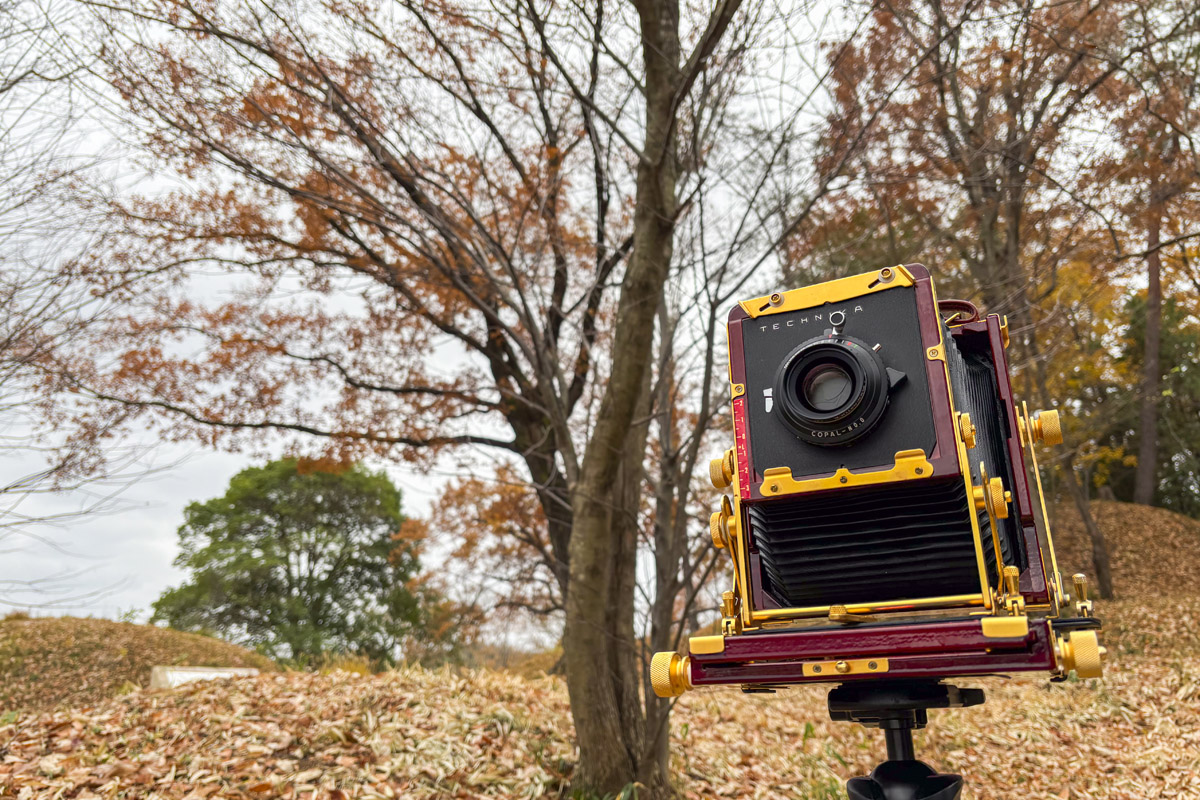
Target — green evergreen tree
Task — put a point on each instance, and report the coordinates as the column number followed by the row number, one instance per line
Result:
column 299, row 563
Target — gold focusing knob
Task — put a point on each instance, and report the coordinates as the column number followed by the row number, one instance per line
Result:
column 1047, row 428
column 1081, row 651
column 997, row 498
column 967, row 429
column 669, row 674
column 722, row 524
column 716, row 529
column 992, row 497
column 720, row 470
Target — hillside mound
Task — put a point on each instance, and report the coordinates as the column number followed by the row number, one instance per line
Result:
column 59, row 661
column 418, row 734
column 1155, row 557
column 1155, row 553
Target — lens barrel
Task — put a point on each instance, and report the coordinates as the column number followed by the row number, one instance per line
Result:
column 832, row 389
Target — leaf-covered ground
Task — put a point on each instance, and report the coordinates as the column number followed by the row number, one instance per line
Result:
column 414, row 733
column 433, row 734
column 49, row 662
column 1154, row 553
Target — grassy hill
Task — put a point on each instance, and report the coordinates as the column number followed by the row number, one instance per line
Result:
column 53, row 661
column 418, row 734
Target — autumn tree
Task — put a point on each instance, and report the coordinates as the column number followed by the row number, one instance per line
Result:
column 1152, row 179
column 54, row 467
column 980, row 151
column 1178, row 406
column 444, row 232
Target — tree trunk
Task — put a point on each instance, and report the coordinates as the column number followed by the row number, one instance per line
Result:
column 598, row 644
column 1147, row 463
column 1101, row 564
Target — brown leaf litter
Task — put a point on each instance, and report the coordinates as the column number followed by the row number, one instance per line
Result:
column 415, row 733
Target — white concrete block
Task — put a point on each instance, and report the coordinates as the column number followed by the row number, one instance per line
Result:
column 170, row 677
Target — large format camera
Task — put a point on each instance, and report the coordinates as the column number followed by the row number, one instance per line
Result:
column 886, row 518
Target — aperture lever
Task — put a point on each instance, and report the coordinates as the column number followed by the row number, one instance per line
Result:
column 895, row 377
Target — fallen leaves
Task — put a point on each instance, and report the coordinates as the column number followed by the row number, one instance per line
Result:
column 415, row 733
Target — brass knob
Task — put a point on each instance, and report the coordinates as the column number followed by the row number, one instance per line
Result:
column 720, row 470
column 729, row 604
column 998, row 498
column 1012, row 580
column 842, row 667
column 717, row 530
column 1047, row 428
column 1080, row 582
column 669, row 673
column 993, row 497
column 967, row 429
column 1081, row 651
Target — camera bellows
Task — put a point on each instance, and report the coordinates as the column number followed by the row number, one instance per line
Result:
column 890, row 543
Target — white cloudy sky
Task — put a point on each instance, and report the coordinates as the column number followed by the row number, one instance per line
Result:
column 119, row 562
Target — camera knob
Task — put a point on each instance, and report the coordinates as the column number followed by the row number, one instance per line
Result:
column 715, row 528
column 991, row 496
column 722, row 524
column 1047, row 427
column 1081, row 651
column 998, row 498
column 967, row 429
column 720, row 470
column 669, row 674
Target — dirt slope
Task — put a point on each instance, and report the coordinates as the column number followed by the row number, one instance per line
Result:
column 55, row 661
column 1156, row 572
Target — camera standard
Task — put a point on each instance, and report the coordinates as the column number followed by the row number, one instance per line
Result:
column 885, row 521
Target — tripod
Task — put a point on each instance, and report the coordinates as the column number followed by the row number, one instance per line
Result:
column 898, row 708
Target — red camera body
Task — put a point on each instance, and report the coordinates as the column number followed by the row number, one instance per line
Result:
column 885, row 515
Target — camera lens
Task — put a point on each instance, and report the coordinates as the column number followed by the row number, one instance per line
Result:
column 832, row 389
column 826, row 387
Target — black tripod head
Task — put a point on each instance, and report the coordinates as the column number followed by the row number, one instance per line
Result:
column 898, row 708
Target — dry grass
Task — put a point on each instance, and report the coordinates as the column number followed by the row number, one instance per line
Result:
column 418, row 734
column 58, row 661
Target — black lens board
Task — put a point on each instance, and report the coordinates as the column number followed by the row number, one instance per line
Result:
column 888, row 318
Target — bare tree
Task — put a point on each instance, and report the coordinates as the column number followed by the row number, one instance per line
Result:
column 47, row 309
column 462, row 230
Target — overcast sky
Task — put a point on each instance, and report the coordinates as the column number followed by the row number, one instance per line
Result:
column 117, row 563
